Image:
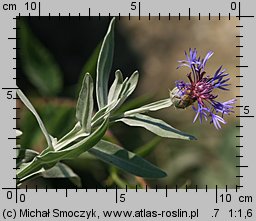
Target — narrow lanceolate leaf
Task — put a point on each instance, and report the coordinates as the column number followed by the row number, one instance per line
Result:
column 76, row 149
column 39, row 64
column 33, row 174
column 27, row 103
column 103, row 113
column 104, row 66
column 61, row 170
column 84, row 106
column 150, row 107
column 116, row 87
column 125, row 160
column 50, row 158
column 128, row 87
column 156, row 126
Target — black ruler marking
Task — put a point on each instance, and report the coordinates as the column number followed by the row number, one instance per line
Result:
column 244, row 116
column 116, row 195
column 139, row 10
column 159, row 19
column 39, row 9
column 139, row 15
column 216, row 190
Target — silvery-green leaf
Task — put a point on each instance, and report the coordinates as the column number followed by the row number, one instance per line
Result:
column 71, row 133
column 29, row 155
column 134, row 103
column 124, row 87
column 131, row 84
column 25, row 100
column 150, row 107
column 125, row 160
column 33, row 174
column 104, row 66
column 54, row 140
column 70, row 137
column 61, row 170
column 156, row 126
column 116, row 87
column 26, row 156
column 76, row 149
column 84, row 106
column 128, row 87
column 18, row 133
column 52, row 157
column 103, row 113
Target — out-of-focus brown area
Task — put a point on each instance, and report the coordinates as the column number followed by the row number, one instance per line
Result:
column 159, row 45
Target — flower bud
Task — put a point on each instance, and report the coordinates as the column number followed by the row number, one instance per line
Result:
column 181, row 98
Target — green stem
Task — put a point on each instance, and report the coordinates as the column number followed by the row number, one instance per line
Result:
column 48, row 159
column 115, row 177
column 30, row 168
column 157, row 105
column 73, row 131
column 146, row 149
column 71, row 139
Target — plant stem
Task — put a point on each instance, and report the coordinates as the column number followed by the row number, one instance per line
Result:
column 146, row 149
column 30, row 168
column 115, row 177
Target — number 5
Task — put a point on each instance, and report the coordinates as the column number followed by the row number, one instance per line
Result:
column 133, row 6
column 9, row 94
column 246, row 110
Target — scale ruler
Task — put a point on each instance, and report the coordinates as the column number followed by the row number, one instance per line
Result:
column 237, row 203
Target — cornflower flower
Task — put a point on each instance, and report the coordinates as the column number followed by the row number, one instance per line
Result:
column 199, row 91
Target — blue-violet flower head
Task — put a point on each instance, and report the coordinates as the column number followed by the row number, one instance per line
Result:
column 199, row 90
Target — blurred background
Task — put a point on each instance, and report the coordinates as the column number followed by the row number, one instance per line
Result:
column 55, row 53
